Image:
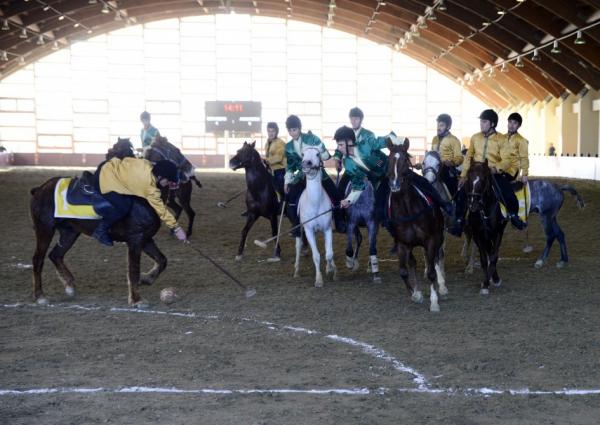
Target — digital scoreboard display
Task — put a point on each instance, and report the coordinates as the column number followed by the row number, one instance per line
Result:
column 239, row 117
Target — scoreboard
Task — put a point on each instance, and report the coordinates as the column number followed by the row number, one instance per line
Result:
column 240, row 117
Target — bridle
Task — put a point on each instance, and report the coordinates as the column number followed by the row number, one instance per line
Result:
column 312, row 171
column 402, row 178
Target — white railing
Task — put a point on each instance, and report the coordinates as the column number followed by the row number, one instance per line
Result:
column 565, row 166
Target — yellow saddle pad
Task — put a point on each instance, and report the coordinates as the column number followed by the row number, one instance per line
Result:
column 63, row 209
column 524, row 197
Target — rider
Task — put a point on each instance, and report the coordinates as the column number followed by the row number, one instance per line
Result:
column 490, row 145
column 519, row 149
column 294, row 177
column 148, row 133
column 448, row 146
column 275, row 157
column 121, row 178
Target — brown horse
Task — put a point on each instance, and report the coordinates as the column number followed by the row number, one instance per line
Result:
column 136, row 230
column 415, row 222
column 161, row 149
column 484, row 221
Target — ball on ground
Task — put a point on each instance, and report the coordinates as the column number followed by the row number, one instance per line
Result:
column 168, row 295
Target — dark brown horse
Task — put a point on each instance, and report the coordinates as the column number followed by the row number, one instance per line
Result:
column 161, row 149
column 136, row 230
column 416, row 222
column 485, row 221
column 261, row 198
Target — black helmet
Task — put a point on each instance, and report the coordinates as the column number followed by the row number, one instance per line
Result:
column 489, row 115
column 167, row 170
column 293, row 122
column 344, row 133
column 445, row 118
column 145, row 116
column 356, row 112
column 515, row 116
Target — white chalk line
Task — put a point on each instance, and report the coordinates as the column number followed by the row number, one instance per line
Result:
column 423, row 386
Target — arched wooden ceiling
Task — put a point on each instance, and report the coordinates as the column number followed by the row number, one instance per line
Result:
column 465, row 39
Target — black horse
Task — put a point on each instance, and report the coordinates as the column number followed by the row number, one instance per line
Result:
column 137, row 230
column 161, row 149
column 485, row 221
column 261, row 198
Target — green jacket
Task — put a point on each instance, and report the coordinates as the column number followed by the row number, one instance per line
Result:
column 148, row 135
column 294, row 154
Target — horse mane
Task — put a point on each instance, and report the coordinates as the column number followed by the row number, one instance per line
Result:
column 122, row 149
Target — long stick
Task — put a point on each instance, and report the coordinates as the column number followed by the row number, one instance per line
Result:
column 224, row 204
column 527, row 248
column 263, row 244
column 250, row 292
column 279, row 229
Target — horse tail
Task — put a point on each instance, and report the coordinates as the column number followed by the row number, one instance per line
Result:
column 572, row 191
column 196, row 181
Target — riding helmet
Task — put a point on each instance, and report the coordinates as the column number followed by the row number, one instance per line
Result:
column 515, row 116
column 356, row 112
column 445, row 118
column 293, row 122
column 166, row 169
column 344, row 133
column 489, row 115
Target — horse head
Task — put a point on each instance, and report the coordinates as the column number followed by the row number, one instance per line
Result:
column 478, row 185
column 122, row 149
column 161, row 149
column 311, row 162
column 432, row 164
column 399, row 163
column 244, row 156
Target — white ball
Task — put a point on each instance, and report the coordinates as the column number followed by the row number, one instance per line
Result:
column 168, row 295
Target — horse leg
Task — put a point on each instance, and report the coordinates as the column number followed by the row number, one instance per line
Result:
column 184, row 194
column 373, row 261
column 250, row 220
column 417, row 295
column 133, row 275
column 43, row 235
column 172, row 204
column 330, row 266
column 403, row 266
column 359, row 239
column 298, row 254
column 431, row 255
column 350, row 232
column 483, row 257
column 67, row 238
column 550, row 236
column 560, row 236
column 440, row 270
column 274, row 230
column 493, row 266
column 312, row 241
column 160, row 263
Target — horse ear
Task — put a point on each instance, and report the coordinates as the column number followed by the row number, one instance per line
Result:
column 406, row 143
column 388, row 143
column 245, row 143
column 253, row 144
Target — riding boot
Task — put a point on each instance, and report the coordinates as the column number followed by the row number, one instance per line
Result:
column 423, row 184
column 338, row 214
column 101, row 233
column 456, row 228
column 517, row 222
column 244, row 214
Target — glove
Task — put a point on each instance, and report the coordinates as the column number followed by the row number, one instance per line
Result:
column 180, row 233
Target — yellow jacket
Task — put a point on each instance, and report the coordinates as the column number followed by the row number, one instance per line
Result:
column 519, row 154
column 494, row 148
column 132, row 176
column 275, row 154
column 449, row 149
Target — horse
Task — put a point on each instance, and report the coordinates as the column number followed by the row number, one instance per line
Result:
column 314, row 202
column 261, row 198
column 362, row 213
column 485, row 221
column 416, row 222
column 137, row 230
column 161, row 149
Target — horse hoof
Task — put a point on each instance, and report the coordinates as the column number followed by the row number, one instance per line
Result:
column 497, row 284
column 376, row 279
column 273, row 259
column 296, row 273
column 443, row 290
column 417, row 297
column 484, row 291
column 141, row 305
column 319, row 284
column 538, row 264
column 434, row 308
column 42, row 301
column 239, row 258
column 561, row 264
column 70, row 291
column 356, row 266
column 349, row 263
column 527, row 249
column 146, row 281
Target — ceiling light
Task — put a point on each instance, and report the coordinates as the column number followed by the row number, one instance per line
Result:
column 76, row 25
column 23, row 33
column 432, row 16
column 5, row 26
column 61, row 17
column 501, row 12
column 21, row 60
column 486, row 24
column 4, row 56
column 441, row 6
column 105, row 8
column 118, row 16
column 40, row 40
column 504, row 68
column 46, row 8
column 536, row 56
column 92, row 1
column 55, row 45
column 491, row 72
column 579, row 40
column 519, row 63
column 555, row 48
column 89, row 31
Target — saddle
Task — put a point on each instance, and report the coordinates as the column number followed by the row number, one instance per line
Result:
column 84, row 191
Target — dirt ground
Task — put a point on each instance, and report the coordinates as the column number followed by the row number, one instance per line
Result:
column 539, row 331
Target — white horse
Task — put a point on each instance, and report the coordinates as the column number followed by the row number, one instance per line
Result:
column 314, row 201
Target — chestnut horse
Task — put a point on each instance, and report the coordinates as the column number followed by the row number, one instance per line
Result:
column 415, row 222
column 137, row 230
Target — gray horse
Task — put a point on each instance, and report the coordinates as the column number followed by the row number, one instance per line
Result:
column 546, row 200
column 362, row 213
